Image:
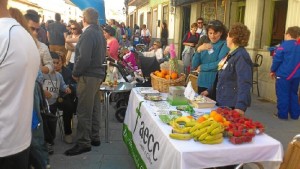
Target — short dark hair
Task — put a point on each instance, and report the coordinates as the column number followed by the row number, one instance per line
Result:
column 293, row 31
column 55, row 55
column 200, row 19
column 240, row 34
column 32, row 15
column 57, row 17
column 111, row 31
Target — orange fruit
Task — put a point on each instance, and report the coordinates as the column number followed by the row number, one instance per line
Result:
column 174, row 75
column 167, row 76
column 190, row 117
column 156, row 72
column 160, row 75
column 165, row 72
column 213, row 113
column 201, row 119
column 226, row 123
column 218, row 118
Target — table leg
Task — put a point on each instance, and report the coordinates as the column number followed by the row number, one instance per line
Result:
column 107, row 95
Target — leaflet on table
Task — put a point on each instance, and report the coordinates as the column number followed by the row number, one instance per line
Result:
column 189, row 91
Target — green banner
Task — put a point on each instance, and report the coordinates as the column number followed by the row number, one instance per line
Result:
column 127, row 137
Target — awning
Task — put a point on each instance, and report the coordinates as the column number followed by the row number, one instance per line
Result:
column 97, row 4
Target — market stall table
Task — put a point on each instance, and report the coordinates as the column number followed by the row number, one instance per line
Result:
column 108, row 90
column 147, row 139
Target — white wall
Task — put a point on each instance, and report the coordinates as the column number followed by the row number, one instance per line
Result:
column 144, row 11
column 292, row 18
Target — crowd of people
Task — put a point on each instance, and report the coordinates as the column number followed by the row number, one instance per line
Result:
column 62, row 66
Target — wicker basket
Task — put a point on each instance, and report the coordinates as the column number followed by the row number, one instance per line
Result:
column 162, row 84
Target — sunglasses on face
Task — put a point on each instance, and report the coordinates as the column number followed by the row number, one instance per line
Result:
column 33, row 29
column 73, row 28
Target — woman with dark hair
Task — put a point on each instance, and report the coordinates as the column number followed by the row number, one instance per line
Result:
column 234, row 79
column 235, row 72
column 112, row 42
column 208, row 55
column 164, row 35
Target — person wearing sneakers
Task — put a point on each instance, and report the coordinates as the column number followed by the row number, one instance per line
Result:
column 285, row 70
column 66, row 103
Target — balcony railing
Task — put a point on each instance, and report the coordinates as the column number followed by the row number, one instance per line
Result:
column 136, row 3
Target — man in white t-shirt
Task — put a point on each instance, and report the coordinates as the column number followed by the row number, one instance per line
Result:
column 201, row 29
column 19, row 64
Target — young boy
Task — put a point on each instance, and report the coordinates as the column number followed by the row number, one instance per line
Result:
column 68, row 103
column 285, row 69
column 53, row 83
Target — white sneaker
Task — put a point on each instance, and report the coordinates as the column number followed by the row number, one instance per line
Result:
column 68, row 139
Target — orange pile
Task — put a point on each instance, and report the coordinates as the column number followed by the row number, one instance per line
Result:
column 166, row 74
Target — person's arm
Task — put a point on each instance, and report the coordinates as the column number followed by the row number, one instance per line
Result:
column 48, row 36
column 72, row 40
column 159, row 54
column 47, row 61
column 214, row 65
column 69, row 45
column 243, row 71
column 85, row 55
column 196, row 61
column 63, row 87
column 278, row 58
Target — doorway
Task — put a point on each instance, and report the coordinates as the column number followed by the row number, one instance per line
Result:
column 186, row 16
column 279, row 20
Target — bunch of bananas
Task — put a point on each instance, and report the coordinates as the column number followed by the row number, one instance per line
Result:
column 179, row 132
column 208, row 132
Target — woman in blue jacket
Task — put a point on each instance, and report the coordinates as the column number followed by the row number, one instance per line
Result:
column 234, row 79
column 210, row 54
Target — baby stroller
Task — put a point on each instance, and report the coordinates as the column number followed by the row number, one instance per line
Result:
column 136, row 69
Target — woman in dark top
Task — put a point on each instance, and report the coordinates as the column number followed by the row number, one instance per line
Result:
column 164, row 35
column 189, row 41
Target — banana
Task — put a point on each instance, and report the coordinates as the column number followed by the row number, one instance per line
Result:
column 203, row 136
column 201, row 125
column 214, row 137
column 198, row 132
column 195, row 127
column 174, row 124
column 218, row 141
column 217, row 130
column 178, row 136
column 184, row 130
column 182, row 120
column 191, row 123
column 213, row 126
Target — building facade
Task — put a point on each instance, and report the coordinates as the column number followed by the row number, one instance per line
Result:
column 266, row 19
column 47, row 9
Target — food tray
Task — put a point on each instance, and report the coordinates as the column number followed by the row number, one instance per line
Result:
column 204, row 103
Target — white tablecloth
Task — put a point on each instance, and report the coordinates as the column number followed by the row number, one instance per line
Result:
column 147, row 138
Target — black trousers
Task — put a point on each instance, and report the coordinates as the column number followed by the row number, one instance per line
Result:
column 16, row 161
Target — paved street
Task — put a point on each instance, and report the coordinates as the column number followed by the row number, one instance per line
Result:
column 115, row 155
